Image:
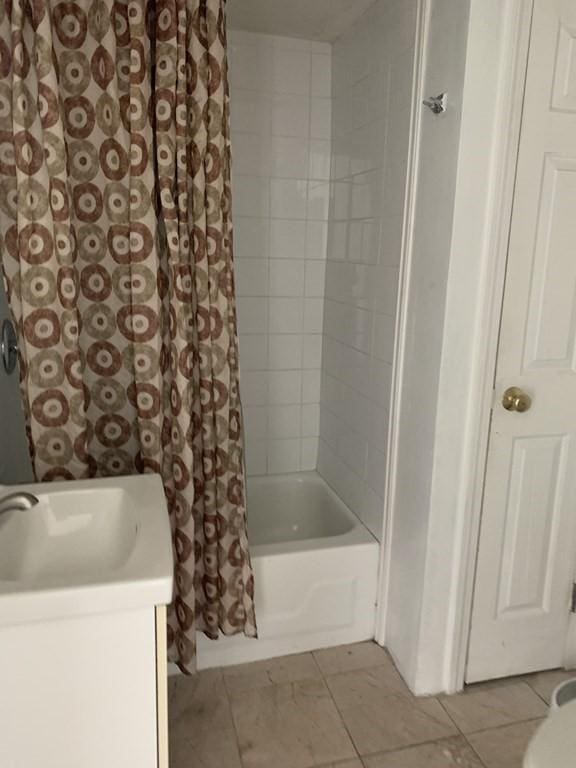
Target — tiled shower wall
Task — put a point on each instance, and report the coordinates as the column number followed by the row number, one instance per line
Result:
column 281, row 124
column 372, row 93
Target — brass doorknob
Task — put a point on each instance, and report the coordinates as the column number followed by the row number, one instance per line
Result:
column 515, row 399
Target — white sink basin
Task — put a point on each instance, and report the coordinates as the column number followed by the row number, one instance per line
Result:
column 88, row 546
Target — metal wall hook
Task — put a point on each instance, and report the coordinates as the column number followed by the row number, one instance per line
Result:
column 437, row 103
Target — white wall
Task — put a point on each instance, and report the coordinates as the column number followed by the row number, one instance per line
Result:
column 372, row 97
column 14, row 458
column 428, row 623
column 281, row 124
column 420, row 578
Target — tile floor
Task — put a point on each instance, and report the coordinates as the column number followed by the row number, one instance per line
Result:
column 348, row 707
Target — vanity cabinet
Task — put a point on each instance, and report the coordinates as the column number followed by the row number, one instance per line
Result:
column 85, row 692
column 85, row 573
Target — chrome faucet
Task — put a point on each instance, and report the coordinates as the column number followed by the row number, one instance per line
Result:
column 16, row 501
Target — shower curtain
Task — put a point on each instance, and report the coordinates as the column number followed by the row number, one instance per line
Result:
column 116, row 244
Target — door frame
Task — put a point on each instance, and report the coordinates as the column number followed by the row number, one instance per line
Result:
column 499, row 33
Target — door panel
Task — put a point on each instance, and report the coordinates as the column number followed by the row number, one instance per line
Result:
column 564, row 89
column 551, row 330
column 527, row 550
column 537, row 477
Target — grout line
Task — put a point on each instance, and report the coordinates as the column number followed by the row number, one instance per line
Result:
column 417, row 744
column 318, row 667
column 344, row 723
column 501, row 727
column 235, row 730
column 488, row 730
column 541, row 696
column 482, row 763
column 452, row 720
column 342, row 720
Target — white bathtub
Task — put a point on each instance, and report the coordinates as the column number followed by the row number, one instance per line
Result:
column 315, row 567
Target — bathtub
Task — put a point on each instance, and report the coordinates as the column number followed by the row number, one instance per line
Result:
column 315, row 568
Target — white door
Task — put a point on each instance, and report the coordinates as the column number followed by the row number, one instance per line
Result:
column 527, row 552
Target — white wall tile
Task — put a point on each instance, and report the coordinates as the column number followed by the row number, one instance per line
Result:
column 283, row 456
column 376, row 471
column 308, row 453
column 319, row 159
column 251, row 196
column 290, row 115
column 287, row 277
column 321, row 84
column 316, row 239
column 252, row 278
column 371, row 89
column 251, row 237
column 256, row 421
column 289, row 157
column 314, row 278
column 312, row 351
column 383, row 346
column 256, row 456
column 254, row 352
column 285, row 352
column 287, row 239
column 254, row 388
column 320, row 118
column 252, row 314
column 291, row 71
column 286, row 315
column 318, row 47
column 282, row 158
column 310, row 416
column 372, row 513
column 311, row 386
column 252, row 155
column 251, row 111
column 288, row 198
column 313, row 315
column 318, row 200
column 285, row 421
column 252, row 61
column 285, row 387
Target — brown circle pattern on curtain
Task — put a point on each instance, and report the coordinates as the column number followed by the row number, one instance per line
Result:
column 116, row 243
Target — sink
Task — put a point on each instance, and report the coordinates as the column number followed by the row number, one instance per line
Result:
column 88, row 546
column 66, row 534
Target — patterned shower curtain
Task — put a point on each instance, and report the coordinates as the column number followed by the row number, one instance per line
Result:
column 116, row 243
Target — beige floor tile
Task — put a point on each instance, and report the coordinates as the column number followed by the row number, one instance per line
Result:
column 448, row 753
column 346, row 658
column 545, row 682
column 286, row 669
column 197, row 705
column 503, row 747
column 215, row 748
column 294, row 725
column 346, row 764
column 477, row 710
column 364, row 686
column 201, row 728
column 392, row 722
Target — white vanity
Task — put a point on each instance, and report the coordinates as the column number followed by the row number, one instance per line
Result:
column 85, row 576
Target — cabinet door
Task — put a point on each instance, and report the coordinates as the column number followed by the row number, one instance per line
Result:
column 80, row 692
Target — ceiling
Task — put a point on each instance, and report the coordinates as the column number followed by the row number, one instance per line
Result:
column 311, row 19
